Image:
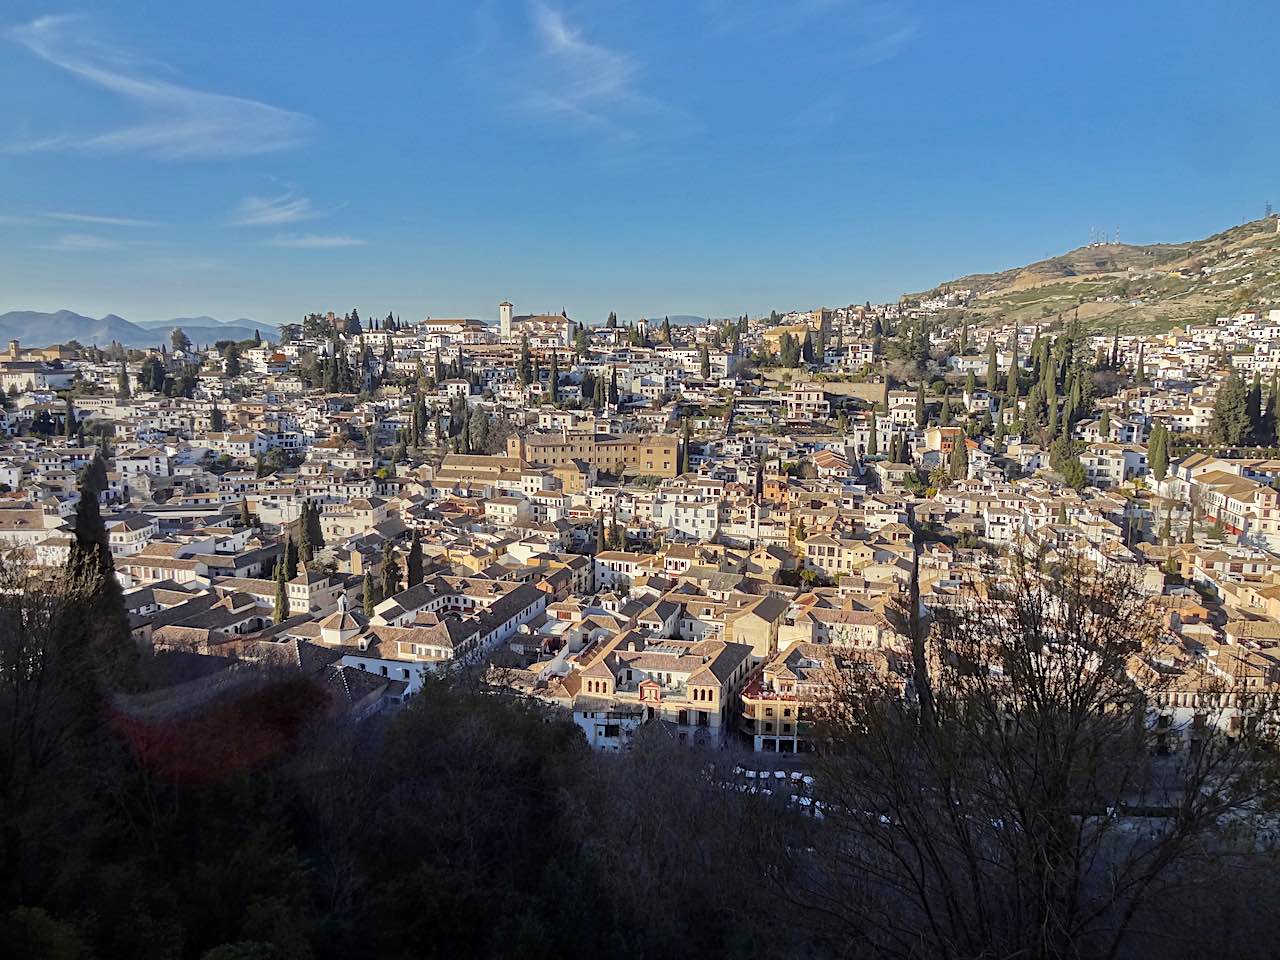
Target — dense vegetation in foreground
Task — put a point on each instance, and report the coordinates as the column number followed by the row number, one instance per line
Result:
column 473, row 824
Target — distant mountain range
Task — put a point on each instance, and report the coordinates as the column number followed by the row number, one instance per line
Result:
column 37, row 329
column 677, row 319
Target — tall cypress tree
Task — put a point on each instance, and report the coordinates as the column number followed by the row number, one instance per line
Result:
column 1230, row 424
column 414, row 564
column 1271, row 421
column 306, row 551
column 282, row 588
column 958, row 469
column 1253, row 409
column 525, row 367
column 91, row 572
column 389, row 574
column 993, row 367
column 1011, row 386
column 1158, row 452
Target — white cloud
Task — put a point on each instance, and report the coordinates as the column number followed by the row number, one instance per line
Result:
column 583, row 81
column 103, row 221
column 273, row 211
column 181, row 122
column 81, row 242
column 315, row 241
column 867, row 32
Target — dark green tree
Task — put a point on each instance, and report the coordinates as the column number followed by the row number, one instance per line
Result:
column 1158, row 452
column 389, row 573
column 413, row 565
column 1230, row 424
column 281, row 612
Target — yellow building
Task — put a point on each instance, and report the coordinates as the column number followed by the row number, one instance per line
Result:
column 648, row 454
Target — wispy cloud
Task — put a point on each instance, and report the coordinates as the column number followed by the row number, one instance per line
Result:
column 180, row 122
column 889, row 44
column 101, row 221
column 315, row 241
column 582, row 81
column 867, row 31
column 80, row 243
column 288, row 207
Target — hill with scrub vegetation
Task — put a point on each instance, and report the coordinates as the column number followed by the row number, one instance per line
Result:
column 1141, row 287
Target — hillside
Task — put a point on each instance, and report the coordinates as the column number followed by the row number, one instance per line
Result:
column 1141, row 287
column 36, row 329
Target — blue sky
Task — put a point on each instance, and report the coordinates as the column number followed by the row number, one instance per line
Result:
column 702, row 156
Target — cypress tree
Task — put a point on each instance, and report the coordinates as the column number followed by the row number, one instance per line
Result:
column 306, row 551
column 316, row 530
column 414, row 563
column 873, row 444
column 1158, row 453
column 1011, row 386
column 369, row 595
column 993, row 368
column 389, row 574
column 1253, row 409
column 91, row 571
column 1271, row 418
column 282, row 588
column 921, row 409
column 959, row 466
column 1230, row 424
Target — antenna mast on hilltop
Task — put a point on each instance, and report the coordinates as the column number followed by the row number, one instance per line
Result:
column 1268, row 213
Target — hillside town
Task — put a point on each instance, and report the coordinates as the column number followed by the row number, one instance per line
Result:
column 689, row 526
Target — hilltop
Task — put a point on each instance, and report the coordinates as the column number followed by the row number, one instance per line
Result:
column 1142, row 287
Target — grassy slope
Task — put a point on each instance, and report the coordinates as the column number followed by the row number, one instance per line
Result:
column 1143, row 288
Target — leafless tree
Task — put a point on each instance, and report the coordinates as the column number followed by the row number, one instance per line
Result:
column 1007, row 799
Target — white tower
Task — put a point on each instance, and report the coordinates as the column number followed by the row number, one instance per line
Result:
column 504, row 319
